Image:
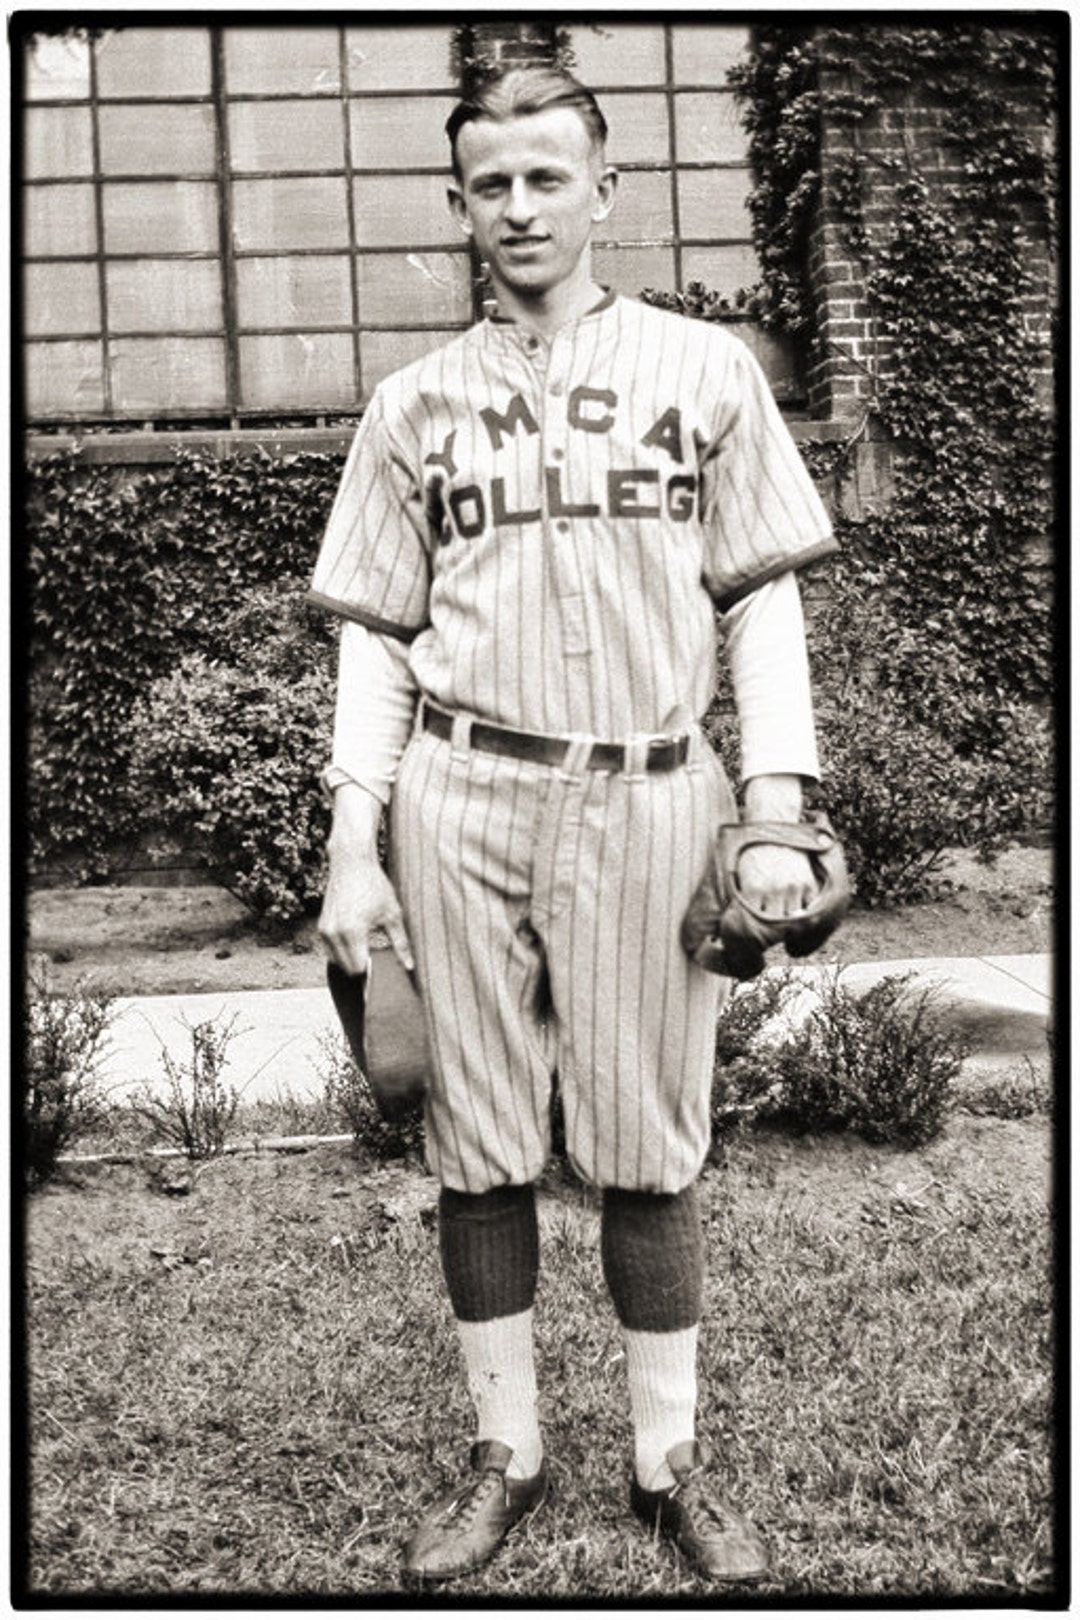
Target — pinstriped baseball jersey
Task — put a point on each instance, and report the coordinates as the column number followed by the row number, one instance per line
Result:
column 551, row 524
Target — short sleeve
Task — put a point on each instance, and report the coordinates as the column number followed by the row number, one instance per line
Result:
column 374, row 564
column 761, row 512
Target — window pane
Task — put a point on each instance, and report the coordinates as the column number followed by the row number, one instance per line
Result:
column 384, row 352
column 58, row 143
column 631, row 269
column 160, row 216
column 60, row 298
column 614, row 53
column 637, row 128
column 722, row 269
column 703, row 55
column 400, row 210
column 157, row 140
column 59, row 219
column 642, row 210
column 312, row 371
column 290, row 214
column 154, row 375
column 408, row 288
column 294, row 292
column 154, row 62
column 287, row 135
column 163, row 295
column 281, row 59
column 63, row 379
column 707, row 129
column 399, row 58
column 57, row 68
column 712, row 203
column 400, row 134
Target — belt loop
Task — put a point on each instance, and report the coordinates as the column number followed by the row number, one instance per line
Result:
column 576, row 759
column 698, row 748
column 635, row 758
column 461, row 738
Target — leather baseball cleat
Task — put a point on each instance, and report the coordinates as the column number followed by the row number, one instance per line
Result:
column 463, row 1530
column 720, row 1541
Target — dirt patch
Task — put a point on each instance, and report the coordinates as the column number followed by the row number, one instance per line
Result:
column 170, row 941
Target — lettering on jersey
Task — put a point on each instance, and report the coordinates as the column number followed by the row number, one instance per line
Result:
column 467, row 505
column 517, row 414
column 666, row 433
column 590, row 409
column 628, row 492
column 500, row 513
column 632, row 492
column 557, row 507
column 445, row 456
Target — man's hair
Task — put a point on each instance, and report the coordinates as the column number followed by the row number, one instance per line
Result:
column 519, row 92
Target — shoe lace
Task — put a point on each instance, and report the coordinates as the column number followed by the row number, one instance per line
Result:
column 693, row 1490
column 465, row 1505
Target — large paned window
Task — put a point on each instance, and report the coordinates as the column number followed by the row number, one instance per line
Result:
column 246, row 222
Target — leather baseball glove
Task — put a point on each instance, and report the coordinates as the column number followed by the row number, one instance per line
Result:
column 725, row 934
column 383, row 1020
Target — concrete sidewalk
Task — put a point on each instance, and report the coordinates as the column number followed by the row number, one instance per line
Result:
column 1002, row 1003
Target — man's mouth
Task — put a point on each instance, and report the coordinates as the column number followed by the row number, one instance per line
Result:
column 523, row 241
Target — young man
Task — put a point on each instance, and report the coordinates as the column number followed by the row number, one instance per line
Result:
column 532, row 533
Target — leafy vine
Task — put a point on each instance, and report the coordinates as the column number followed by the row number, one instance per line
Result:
column 943, row 215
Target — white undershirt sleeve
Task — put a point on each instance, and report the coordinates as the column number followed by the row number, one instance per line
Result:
column 765, row 634
column 376, row 702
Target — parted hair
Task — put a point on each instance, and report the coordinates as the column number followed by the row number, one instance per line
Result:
column 521, row 91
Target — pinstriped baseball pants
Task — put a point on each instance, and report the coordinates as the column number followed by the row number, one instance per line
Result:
column 543, row 910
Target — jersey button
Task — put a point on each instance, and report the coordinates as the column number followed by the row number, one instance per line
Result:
column 557, row 452
column 556, row 389
column 563, row 526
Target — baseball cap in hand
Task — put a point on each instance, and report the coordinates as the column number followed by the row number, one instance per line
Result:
column 383, row 1020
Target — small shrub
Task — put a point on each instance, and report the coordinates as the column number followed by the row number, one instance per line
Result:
column 228, row 754
column 916, row 757
column 199, row 1108
column 62, row 1096
column 899, row 793
column 1021, row 1092
column 881, row 1063
column 126, row 572
column 347, row 1095
column 746, row 1080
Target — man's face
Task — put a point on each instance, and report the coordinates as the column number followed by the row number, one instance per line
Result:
column 530, row 192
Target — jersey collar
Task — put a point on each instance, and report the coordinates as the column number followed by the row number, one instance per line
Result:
column 504, row 321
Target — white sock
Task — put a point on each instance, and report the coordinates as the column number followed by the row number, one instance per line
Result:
column 662, row 1369
column 502, row 1383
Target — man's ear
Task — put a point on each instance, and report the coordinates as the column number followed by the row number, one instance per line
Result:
column 605, row 194
column 456, row 201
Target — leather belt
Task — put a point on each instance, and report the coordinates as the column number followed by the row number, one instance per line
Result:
column 663, row 753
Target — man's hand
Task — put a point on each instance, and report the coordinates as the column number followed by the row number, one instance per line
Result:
column 359, row 896
column 776, row 881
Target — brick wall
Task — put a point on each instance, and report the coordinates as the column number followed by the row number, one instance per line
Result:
column 905, row 134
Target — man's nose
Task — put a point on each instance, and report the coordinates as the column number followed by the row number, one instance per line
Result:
column 519, row 205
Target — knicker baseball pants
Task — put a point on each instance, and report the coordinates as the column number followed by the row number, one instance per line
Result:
column 543, row 905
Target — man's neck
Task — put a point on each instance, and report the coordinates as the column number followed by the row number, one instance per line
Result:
column 550, row 311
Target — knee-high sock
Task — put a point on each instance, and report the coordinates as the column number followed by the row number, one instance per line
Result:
column 489, row 1246
column 654, row 1265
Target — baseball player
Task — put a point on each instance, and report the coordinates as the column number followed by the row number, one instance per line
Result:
column 534, row 528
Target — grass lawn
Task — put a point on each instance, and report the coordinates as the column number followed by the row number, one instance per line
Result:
column 255, row 1388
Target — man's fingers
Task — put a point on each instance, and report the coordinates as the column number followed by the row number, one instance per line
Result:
column 399, row 939
column 349, row 950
